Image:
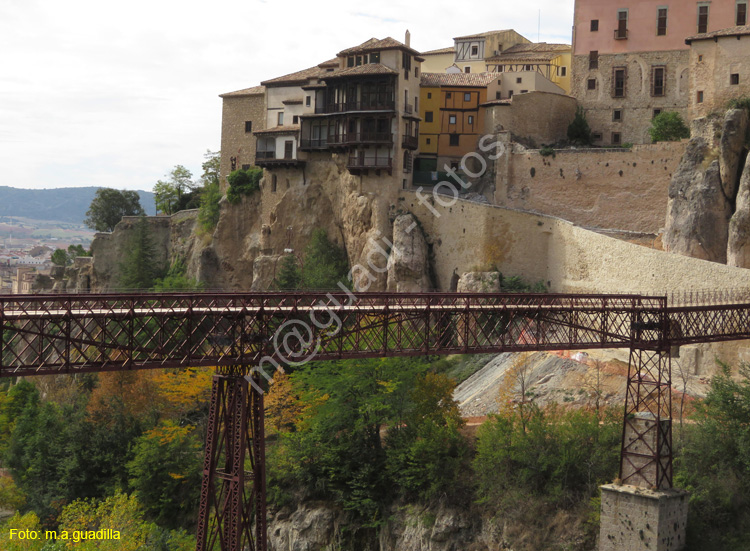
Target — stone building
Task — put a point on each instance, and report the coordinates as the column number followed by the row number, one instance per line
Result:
column 243, row 113
column 546, row 63
column 631, row 62
column 473, row 50
column 719, row 69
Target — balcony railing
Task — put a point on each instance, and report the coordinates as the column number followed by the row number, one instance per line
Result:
column 321, row 143
column 410, row 142
column 356, row 106
column 621, row 34
column 361, row 161
column 265, row 155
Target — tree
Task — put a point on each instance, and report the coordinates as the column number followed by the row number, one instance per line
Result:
column 77, row 250
column 243, row 182
column 579, row 131
column 169, row 193
column 60, row 258
column 109, row 206
column 138, row 270
column 325, row 263
column 668, row 126
column 289, row 277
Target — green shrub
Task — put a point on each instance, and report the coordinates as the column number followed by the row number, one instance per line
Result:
column 740, row 103
column 668, row 127
column 208, row 215
column 546, row 151
column 579, row 132
column 243, row 182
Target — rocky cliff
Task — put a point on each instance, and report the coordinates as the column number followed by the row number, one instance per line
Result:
column 706, row 193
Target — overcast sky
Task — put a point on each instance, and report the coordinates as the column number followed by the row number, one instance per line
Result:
column 96, row 93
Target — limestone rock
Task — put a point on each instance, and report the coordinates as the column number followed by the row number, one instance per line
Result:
column 264, row 272
column 408, row 263
column 708, row 128
column 698, row 212
column 731, row 147
column 479, row 282
column 738, row 248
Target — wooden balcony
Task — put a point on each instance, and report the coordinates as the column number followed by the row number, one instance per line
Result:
column 360, row 162
column 621, row 34
column 268, row 159
column 410, row 142
column 313, row 145
column 349, row 106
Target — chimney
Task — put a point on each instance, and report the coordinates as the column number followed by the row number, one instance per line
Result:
column 407, row 38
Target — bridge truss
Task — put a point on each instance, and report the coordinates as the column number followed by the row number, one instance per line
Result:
column 247, row 335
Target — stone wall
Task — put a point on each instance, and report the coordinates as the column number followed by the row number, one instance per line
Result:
column 235, row 142
column 465, row 236
column 711, row 65
column 590, row 187
column 638, row 104
column 535, row 117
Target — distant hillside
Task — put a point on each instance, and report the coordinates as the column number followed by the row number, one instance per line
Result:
column 59, row 205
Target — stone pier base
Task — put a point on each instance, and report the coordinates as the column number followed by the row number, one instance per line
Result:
column 636, row 519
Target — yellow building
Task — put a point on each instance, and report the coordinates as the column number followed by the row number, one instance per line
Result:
column 552, row 61
column 452, row 119
column 438, row 61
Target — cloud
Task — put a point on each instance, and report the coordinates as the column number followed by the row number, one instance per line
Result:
column 95, row 93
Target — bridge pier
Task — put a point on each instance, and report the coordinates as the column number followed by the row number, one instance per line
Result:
column 642, row 512
column 232, row 510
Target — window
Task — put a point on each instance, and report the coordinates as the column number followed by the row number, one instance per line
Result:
column 499, row 82
column 307, row 101
column 245, row 167
column 510, row 94
column 593, row 60
column 453, row 139
column 429, row 95
column 700, row 58
column 295, row 119
column 562, row 71
column 467, row 96
column 741, row 14
column 475, row 51
column 280, row 118
column 617, row 115
column 428, row 141
column 734, row 79
column 248, row 126
column 359, row 61
column 658, row 81
column 661, row 21
column 416, row 72
column 618, row 88
column 451, row 119
column 519, row 80
column 527, row 68
column 467, row 69
column 616, row 138
column 407, row 161
column 657, row 112
column 428, row 116
column 524, row 91
column 288, row 149
column 699, row 98
column 350, row 61
column 622, row 25
column 448, row 95
column 702, row 18
column 498, row 95
column 273, row 183
column 591, row 85
column 596, row 136
column 375, row 57
column 454, row 165
column 471, row 119
column 594, row 25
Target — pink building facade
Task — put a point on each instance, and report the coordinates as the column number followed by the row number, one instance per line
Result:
column 631, row 61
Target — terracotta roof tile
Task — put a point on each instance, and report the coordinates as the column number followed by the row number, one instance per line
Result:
column 288, row 129
column 374, row 44
column 731, row 31
column 254, row 91
column 367, row 69
column 450, row 50
column 537, row 52
column 476, row 80
column 482, row 35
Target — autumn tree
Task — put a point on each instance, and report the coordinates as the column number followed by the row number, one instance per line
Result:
column 515, row 389
column 282, row 406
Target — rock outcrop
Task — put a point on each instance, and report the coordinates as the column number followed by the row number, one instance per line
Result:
column 731, row 148
column 738, row 248
column 698, row 211
column 408, row 262
column 479, row 282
